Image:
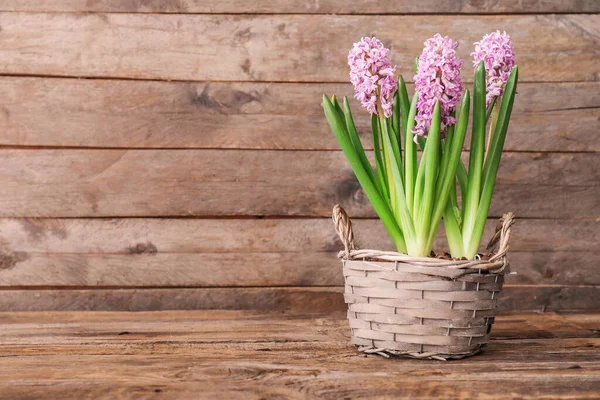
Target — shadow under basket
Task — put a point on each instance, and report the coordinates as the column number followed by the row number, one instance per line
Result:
column 421, row 307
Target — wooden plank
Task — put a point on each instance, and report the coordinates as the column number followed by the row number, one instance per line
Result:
column 37, row 183
column 274, row 48
column 142, row 114
column 279, row 299
column 232, row 354
column 217, row 370
column 63, row 328
column 203, row 252
column 162, row 270
column 320, row 7
column 236, row 374
column 271, row 235
column 305, row 299
column 183, row 353
column 76, row 332
column 247, row 269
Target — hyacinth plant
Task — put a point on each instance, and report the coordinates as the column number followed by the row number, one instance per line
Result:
column 410, row 196
column 494, row 91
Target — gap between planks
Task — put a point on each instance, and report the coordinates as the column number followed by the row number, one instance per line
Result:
column 216, row 287
column 146, row 148
column 266, row 81
column 309, row 14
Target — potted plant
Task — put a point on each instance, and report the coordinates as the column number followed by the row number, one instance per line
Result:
column 414, row 302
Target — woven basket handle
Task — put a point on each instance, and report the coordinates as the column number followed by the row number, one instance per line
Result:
column 501, row 236
column 343, row 227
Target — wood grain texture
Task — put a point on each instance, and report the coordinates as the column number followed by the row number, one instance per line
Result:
column 200, row 253
column 99, row 183
column 191, row 80
column 279, row 299
column 247, row 326
column 39, row 270
column 270, row 235
column 308, row 7
column 283, row 48
column 233, row 355
column 142, row 114
column 257, row 372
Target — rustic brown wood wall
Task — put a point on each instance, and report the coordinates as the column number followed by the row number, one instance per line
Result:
column 173, row 154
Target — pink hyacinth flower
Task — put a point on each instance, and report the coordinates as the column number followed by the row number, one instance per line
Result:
column 438, row 79
column 498, row 54
column 372, row 75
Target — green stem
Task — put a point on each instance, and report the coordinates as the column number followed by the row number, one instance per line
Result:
column 388, row 169
column 494, row 111
column 490, row 108
column 404, row 103
column 396, row 116
column 396, row 150
column 401, row 211
column 446, row 146
column 447, row 179
column 431, row 161
column 476, row 157
column 452, row 227
column 381, row 173
column 410, row 155
column 463, row 178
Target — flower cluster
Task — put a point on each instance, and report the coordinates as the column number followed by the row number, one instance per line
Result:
column 438, row 78
column 496, row 51
column 411, row 195
column 372, row 75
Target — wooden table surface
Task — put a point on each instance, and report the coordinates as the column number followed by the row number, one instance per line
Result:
column 250, row 355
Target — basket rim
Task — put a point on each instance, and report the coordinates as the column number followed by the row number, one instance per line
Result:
column 496, row 262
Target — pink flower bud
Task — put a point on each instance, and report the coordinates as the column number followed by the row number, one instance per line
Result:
column 438, row 78
column 498, row 55
column 372, row 75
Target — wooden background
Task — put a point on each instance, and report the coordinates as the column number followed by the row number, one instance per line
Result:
column 173, row 154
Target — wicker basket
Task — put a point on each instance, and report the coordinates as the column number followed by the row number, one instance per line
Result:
column 421, row 307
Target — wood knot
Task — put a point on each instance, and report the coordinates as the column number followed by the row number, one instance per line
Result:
column 10, row 260
column 143, row 248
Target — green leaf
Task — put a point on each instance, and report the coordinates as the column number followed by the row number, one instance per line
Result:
column 452, row 228
column 338, row 109
column 446, row 146
column 431, row 162
column 463, row 178
column 357, row 144
column 457, row 215
column 492, row 162
column 447, row 180
column 494, row 110
column 381, row 208
column 386, row 150
column 410, row 155
column 422, row 142
column 471, row 197
column 490, row 108
column 396, row 116
column 381, row 172
column 403, row 216
column 397, row 152
column 404, row 103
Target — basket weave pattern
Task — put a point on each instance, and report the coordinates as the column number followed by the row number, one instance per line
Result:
column 421, row 307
